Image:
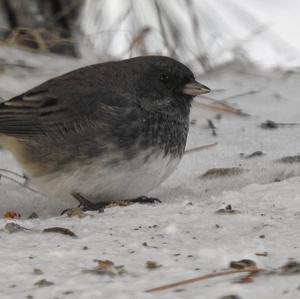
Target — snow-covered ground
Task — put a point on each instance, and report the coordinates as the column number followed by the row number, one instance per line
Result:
column 184, row 234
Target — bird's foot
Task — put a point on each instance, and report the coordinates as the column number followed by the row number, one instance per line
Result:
column 145, row 200
column 86, row 205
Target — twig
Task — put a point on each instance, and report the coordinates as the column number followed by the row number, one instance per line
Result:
column 17, row 182
column 270, row 124
column 198, row 148
column 18, row 65
column 35, row 35
column 14, row 173
column 139, row 39
column 217, row 90
column 212, row 127
column 242, row 94
column 163, row 31
column 203, row 277
column 65, row 11
column 202, row 56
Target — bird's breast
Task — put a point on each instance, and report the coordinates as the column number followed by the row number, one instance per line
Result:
column 101, row 181
column 167, row 133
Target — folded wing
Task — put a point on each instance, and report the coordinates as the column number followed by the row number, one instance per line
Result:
column 61, row 105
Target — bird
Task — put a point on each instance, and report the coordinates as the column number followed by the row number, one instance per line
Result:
column 106, row 132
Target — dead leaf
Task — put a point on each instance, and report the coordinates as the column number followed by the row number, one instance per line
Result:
column 227, row 210
column 37, row 271
column 291, row 267
column 230, row 297
column 261, row 253
column 33, row 215
column 254, row 154
column 12, row 215
column 76, row 212
column 242, row 264
column 290, row 159
column 247, row 278
column 150, row 265
column 106, row 267
column 60, row 230
column 105, row 263
column 244, row 279
column 269, row 124
column 43, row 283
column 220, row 172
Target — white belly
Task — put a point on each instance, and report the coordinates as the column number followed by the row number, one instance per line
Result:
column 127, row 180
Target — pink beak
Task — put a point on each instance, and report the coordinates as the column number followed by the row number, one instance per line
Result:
column 195, row 89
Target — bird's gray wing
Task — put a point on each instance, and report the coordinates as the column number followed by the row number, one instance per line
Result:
column 61, row 105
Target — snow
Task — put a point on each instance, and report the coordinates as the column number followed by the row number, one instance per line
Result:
column 264, row 31
column 184, row 234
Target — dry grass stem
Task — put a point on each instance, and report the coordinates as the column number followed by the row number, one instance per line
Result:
column 199, row 148
column 217, row 106
column 203, row 277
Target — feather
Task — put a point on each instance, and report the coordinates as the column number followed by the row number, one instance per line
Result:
column 61, row 106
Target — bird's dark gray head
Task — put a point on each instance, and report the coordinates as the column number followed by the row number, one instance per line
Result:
column 161, row 83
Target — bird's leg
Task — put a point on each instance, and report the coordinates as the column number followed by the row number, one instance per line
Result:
column 86, row 205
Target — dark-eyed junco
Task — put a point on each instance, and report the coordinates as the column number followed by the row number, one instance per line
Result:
column 108, row 131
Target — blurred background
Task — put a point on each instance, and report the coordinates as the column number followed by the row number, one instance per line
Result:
column 200, row 33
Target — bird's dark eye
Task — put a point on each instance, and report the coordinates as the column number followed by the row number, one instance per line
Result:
column 164, row 78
